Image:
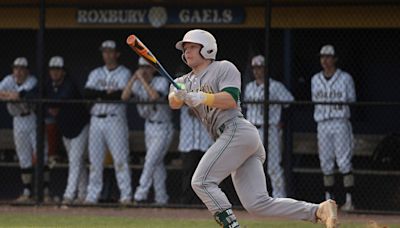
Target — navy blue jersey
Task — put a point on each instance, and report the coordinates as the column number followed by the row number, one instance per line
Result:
column 72, row 117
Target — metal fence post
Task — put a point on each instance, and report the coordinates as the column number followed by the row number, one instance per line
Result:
column 40, row 153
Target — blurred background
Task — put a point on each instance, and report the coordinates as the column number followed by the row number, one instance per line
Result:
column 365, row 34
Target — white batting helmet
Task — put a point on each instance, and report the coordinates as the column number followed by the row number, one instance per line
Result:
column 202, row 37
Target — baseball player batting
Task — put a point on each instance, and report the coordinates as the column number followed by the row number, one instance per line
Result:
column 255, row 114
column 212, row 90
column 335, row 137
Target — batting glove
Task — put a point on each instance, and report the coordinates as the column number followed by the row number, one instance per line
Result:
column 180, row 94
column 194, row 99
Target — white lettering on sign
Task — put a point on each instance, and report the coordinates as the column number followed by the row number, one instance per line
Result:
column 206, row 16
column 111, row 16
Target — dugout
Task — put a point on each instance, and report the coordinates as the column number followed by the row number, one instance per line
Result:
column 365, row 34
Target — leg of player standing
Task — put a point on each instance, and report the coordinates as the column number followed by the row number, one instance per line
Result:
column 343, row 141
column 97, row 148
column 326, row 156
column 238, row 149
column 76, row 148
column 118, row 143
column 24, row 149
column 158, row 138
column 275, row 170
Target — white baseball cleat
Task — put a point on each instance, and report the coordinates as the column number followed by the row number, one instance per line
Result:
column 348, row 206
column 327, row 214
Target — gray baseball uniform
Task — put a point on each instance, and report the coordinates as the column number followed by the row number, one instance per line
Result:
column 237, row 151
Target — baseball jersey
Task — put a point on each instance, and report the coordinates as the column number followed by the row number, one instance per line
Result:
column 339, row 88
column 254, row 92
column 193, row 135
column 216, row 77
column 72, row 118
column 152, row 112
column 9, row 84
column 103, row 79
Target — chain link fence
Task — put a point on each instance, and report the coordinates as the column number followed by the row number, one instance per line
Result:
column 109, row 137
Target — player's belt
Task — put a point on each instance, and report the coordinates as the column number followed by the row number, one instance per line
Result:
column 258, row 126
column 104, row 115
column 156, row 122
column 24, row 114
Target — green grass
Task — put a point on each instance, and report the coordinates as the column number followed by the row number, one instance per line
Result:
column 26, row 220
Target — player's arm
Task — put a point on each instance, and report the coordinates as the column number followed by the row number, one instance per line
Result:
column 351, row 91
column 127, row 93
column 153, row 94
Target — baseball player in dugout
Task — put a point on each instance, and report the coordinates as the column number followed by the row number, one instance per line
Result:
column 73, row 122
column 22, row 85
column 335, row 137
column 144, row 86
column 108, row 124
column 255, row 114
column 212, row 90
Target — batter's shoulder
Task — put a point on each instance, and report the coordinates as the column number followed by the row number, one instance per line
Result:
column 125, row 70
column 225, row 64
column 8, row 78
column 346, row 74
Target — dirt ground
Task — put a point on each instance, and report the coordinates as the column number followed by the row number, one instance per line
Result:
column 172, row 213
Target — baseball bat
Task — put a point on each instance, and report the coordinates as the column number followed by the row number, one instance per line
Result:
column 140, row 49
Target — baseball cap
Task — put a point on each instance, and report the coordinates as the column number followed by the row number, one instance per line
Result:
column 258, row 60
column 327, row 50
column 56, row 62
column 108, row 44
column 20, row 62
column 143, row 62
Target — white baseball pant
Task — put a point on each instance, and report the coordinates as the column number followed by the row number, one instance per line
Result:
column 158, row 137
column 77, row 174
column 112, row 133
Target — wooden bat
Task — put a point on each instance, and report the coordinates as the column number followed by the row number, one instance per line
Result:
column 140, row 49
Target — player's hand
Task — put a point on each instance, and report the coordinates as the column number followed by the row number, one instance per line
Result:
column 13, row 96
column 180, row 94
column 194, row 99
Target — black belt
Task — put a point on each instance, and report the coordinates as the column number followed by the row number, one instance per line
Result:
column 104, row 115
column 258, row 126
column 156, row 122
column 24, row 114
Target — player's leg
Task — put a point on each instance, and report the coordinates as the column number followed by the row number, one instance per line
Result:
column 97, row 149
column 75, row 148
column 153, row 140
column 326, row 156
column 250, row 185
column 118, row 142
column 24, row 153
column 231, row 149
column 343, row 141
column 83, row 174
column 275, row 170
column 160, row 173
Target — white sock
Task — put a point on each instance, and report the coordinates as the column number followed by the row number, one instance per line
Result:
column 327, row 196
column 348, row 197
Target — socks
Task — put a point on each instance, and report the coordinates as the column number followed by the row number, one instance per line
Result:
column 226, row 219
column 26, row 177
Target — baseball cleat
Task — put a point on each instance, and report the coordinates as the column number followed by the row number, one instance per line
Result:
column 327, row 214
column 348, row 206
column 24, row 198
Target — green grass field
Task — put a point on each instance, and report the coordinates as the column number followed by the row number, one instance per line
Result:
column 26, row 220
